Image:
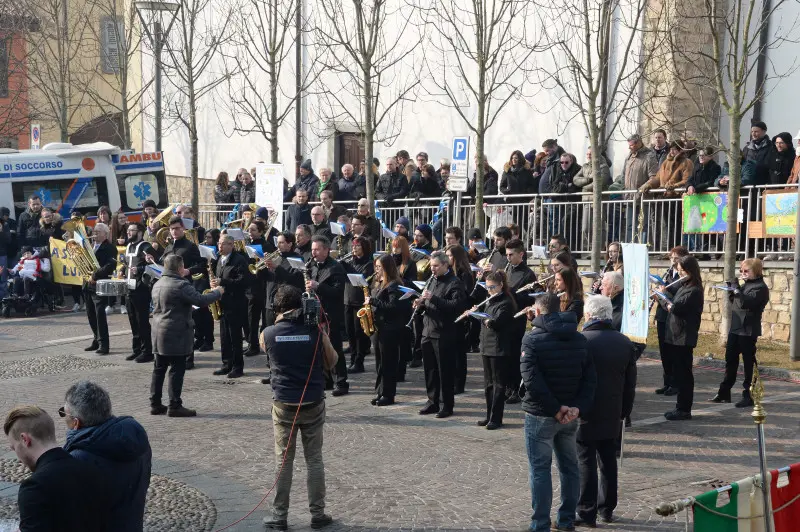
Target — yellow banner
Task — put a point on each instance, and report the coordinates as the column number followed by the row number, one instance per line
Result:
column 64, row 269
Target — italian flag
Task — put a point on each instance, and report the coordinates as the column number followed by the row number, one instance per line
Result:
column 746, row 501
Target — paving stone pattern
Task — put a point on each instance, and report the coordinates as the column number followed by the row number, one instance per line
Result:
column 389, row 468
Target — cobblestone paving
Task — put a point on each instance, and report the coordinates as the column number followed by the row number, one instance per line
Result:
column 388, row 468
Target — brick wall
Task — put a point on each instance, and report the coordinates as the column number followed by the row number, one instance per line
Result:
column 179, row 189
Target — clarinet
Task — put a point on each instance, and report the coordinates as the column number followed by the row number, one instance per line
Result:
column 417, row 310
column 597, row 284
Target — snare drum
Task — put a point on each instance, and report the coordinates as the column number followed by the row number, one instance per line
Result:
column 112, row 287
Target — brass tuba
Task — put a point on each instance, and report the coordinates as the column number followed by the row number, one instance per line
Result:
column 366, row 317
column 82, row 256
column 162, row 234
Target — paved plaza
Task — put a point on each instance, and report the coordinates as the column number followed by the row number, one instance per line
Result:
column 386, row 468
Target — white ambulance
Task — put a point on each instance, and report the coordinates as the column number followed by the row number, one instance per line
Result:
column 81, row 178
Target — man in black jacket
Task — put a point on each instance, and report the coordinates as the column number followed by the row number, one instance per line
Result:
column 106, row 254
column 231, row 274
column 28, row 230
column 560, row 382
column 442, row 302
column 298, row 212
column 62, row 493
column 372, row 227
column 519, row 275
column 320, row 224
column 393, row 184
column 614, row 357
column 307, row 181
column 327, row 279
column 302, row 240
column 138, row 300
column 613, row 287
column 280, row 272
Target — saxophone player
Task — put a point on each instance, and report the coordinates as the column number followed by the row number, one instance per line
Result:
column 138, row 300
column 360, row 262
column 256, row 292
column 106, row 254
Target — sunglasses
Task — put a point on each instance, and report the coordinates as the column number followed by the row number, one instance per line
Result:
column 564, row 162
column 63, row 413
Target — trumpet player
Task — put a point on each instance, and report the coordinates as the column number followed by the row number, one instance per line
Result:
column 361, row 263
column 442, row 303
column 138, row 300
column 256, row 293
column 390, row 315
column 280, row 273
column 106, row 254
column 518, row 275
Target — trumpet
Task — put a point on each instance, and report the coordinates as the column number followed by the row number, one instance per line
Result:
column 526, row 309
column 532, row 285
column 366, row 317
column 261, row 264
column 410, row 323
column 479, row 305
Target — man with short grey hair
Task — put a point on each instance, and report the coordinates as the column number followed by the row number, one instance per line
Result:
column 348, row 185
column 106, row 254
column 320, row 224
column 118, row 446
column 614, row 357
column 393, row 184
column 612, row 286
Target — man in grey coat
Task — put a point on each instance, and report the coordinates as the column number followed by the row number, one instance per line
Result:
column 173, row 297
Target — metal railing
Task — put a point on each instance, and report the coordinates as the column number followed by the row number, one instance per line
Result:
column 627, row 216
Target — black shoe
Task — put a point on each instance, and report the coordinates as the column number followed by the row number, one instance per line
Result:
column 189, row 365
column 197, row 343
column 356, row 368
column 677, row 415
column 493, row 426
column 374, row 401
column 181, row 412
column 251, row 352
column 415, row 364
column 628, row 422
column 559, row 527
column 275, row 524
column 206, row 347
column 443, row 413
column 513, row 399
column 584, row 523
column 720, row 399
column 321, row 522
column 235, row 373
column 266, row 380
column 384, row 401
column 131, row 356
column 608, row 518
column 671, row 391
column 482, row 422
column 92, row 347
column 141, row 359
column 744, row 403
column 338, row 392
column 103, row 350
column 660, row 391
column 158, row 410
column 224, row 370
column 430, row 409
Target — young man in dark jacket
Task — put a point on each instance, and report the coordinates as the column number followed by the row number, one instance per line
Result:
column 393, row 184
column 29, row 232
column 117, row 446
column 614, row 358
column 747, row 306
column 560, row 382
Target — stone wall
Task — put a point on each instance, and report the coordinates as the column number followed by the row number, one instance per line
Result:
column 179, row 189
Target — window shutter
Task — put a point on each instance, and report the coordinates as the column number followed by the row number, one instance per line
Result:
column 112, row 32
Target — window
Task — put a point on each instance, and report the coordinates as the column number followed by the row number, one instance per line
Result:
column 112, row 34
column 5, row 47
column 86, row 200
column 135, row 189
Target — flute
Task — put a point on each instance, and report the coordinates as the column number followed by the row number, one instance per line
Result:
column 678, row 280
column 530, row 286
column 479, row 305
column 526, row 309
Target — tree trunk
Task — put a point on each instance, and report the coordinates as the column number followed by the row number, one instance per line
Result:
column 731, row 235
column 596, row 244
column 193, row 150
column 273, row 111
column 369, row 131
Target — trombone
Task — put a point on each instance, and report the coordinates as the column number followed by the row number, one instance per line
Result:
column 261, row 264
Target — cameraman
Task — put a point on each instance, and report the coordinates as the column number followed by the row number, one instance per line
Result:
column 297, row 354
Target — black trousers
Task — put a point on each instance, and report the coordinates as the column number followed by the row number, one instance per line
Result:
column 96, row 314
column 230, row 331
column 138, row 306
column 683, row 378
column 746, row 345
column 255, row 316
column 387, row 356
column 474, row 335
column 417, row 352
column 513, row 376
column 406, row 340
column 177, row 369
column 338, row 376
column 77, row 294
column 203, row 325
column 592, row 453
column 439, row 361
column 359, row 342
column 495, row 370
column 667, row 364
column 461, row 355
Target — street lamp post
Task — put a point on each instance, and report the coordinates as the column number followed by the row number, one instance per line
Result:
column 157, row 40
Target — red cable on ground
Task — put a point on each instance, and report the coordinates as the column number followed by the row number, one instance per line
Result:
column 288, row 443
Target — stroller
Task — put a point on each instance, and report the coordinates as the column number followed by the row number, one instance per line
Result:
column 29, row 284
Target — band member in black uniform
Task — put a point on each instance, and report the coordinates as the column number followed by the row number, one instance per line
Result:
column 461, row 268
column 423, row 234
column 359, row 262
column 669, row 388
column 231, row 273
column 138, row 300
column 256, row 293
column 442, row 302
column 320, row 224
column 302, row 239
column 281, row 273
column 613, row 264
column 747, row 304
column 501, row 236
column 684, row 310
column 568, row 284
column 390, row 315
column 407, row 270
column 497, row 342
column 106, row 254
column 271, row 235
column 344, row 243
column 328, row 280
column 518, row 274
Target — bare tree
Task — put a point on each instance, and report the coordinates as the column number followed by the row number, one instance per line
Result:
column 360, row 56
column 478, row 52
column 595, row 61
column 193, row 67
column 261, row 55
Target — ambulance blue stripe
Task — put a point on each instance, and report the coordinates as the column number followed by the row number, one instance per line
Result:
column 139, row 165
column 40, row 173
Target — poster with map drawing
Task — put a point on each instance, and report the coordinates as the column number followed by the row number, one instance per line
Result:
column 780, row 214
column 705, row 213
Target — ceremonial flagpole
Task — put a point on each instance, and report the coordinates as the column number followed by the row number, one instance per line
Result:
column 759, row 417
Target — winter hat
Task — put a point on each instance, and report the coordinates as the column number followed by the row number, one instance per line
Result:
column 148, row 203
column 530, row 156
column 307, row 165
column 425, row 229
column 759, row 124
column 474, row 234
column 262, row 213
column 405, row 222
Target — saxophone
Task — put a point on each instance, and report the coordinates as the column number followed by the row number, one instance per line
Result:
column 366, row 317
column 215, row 307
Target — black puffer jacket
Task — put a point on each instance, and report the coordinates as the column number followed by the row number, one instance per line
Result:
column 683, row 321
column 704, row 176
column 391, row 187
column 496, row 336
column 747, row 305
column 448, row 301
column 561, row 180
column 556, row 366
column 29, row 232
column 517, row 179
column 489, row 185
column 780, row 163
